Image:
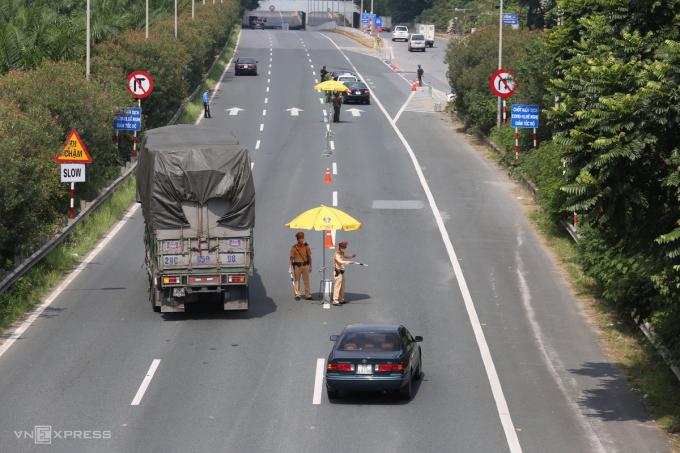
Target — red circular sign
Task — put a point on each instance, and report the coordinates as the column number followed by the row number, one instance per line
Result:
column 503, row 83
column 140, row 84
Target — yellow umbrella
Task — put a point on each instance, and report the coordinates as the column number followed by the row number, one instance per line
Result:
column 324, row 218
column 331, row 85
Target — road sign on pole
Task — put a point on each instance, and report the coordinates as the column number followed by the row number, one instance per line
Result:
column 73, row 151
column 525, row 116
column 72, row 173
column 140, row 84
column 510, row 19
column 503, row 83
column 128, row 119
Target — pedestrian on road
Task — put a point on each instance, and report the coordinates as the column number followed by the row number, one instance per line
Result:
column 323, row 73
column 206, row 104
column 337, row 102
column 301, row 262
column 326, row 77
column 420, row 76
column 341, row 260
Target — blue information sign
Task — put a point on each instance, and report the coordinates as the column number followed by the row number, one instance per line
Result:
column 525, row 116
column 510, row 19
column 378, row 22
column 366, row 17
column 128, row 119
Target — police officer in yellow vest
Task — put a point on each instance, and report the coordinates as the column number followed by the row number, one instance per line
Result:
column 301, row 262
column 341, row 261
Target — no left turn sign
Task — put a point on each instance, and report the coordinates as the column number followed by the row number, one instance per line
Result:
column 140, row 84
column 503, row 83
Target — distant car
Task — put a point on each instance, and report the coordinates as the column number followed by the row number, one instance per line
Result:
column 400, row 33
column 356, row 92
column 416, row 41
column 347, row 78
column 374, row 357
column 257, row 25
column 245, row 65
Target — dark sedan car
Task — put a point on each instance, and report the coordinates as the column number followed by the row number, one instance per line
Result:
column 356, row 92
column 245, row 66
column 374, row 357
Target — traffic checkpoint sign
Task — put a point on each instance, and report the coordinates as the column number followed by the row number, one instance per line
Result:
column 73, row 151
column 502, row 83
column 72, row 173
column 140, row 84
column 128, row 119
column 525, row 116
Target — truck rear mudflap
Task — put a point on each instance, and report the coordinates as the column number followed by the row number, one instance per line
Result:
column 179, row 290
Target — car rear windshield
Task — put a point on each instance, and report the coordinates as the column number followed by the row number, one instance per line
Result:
column 400, row 29
column 370, row 342
column 246, row 60
column 418, row 37
column 356, row 85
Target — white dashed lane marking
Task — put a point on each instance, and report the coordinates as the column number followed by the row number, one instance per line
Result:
column 261, row 127
column 335, row 168
column 257, row 144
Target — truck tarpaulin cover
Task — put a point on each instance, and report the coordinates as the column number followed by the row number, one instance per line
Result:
column 186, row 163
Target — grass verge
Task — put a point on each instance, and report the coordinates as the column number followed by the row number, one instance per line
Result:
column 194, row 108
column 646, row 372
column 30, row 288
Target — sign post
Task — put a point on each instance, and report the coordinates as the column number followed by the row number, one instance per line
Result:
column 503, row 85
column 524, row 116
column 140, row 85
column 73, row 156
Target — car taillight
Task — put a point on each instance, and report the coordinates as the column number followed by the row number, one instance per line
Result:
column 236, row 278
column 340, row 367
column 382, row 367
column 366, row 92
column 171, row 280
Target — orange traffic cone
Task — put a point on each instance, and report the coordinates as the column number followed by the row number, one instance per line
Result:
column 414, row 86
column 329, row 240
column 394, row 68
column 327, row 179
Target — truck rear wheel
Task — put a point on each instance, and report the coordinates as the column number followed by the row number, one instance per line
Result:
column 155, row 296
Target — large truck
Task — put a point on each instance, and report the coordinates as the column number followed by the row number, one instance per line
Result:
column 386, row 23
column 198, row 201
column 426, row 30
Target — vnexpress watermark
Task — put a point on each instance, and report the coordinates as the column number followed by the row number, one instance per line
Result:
column 46, row 434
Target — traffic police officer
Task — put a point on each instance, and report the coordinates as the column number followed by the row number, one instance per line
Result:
column 341, row 261
column 301, row 262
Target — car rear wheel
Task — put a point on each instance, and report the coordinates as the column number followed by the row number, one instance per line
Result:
column 368, row 102
column 332, row 393
column 406, row 393
column 419, row 371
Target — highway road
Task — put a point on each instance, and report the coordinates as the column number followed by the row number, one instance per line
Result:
column 510, row 361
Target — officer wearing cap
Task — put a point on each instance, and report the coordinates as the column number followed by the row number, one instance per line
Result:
column 341, row 261
column 301, row 262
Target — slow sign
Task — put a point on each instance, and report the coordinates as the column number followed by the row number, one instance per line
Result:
column 72, row 173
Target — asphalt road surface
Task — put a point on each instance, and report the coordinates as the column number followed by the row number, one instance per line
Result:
column 510, row 362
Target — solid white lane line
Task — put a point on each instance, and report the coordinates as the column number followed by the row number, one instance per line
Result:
column 219, row 82
column 145, row 383
column 318, row 380
column 261, row 127
column 410, row 96
column 37, row 311
column 484, row 351
column 335, row 198
column 257, row 144
column 264, row 112
column 335, row 168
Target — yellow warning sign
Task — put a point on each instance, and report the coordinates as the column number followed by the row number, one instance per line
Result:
column 73, row 150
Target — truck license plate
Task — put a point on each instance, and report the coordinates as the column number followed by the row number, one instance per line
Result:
column 364, row 369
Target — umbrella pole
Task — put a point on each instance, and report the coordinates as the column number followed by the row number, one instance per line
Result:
column 323, row 277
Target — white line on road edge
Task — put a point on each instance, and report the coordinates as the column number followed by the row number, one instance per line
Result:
column 335, row 168
column 257, row 144
column 219, row 82
column 484, row 351
column 335, row 198
column 318, row 380
column 145, row 383
column 37, row 311
column 261, row 127
column 410, row 96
